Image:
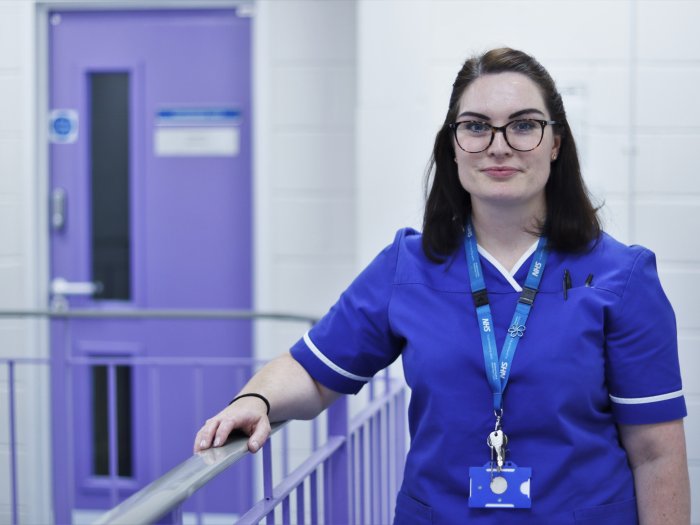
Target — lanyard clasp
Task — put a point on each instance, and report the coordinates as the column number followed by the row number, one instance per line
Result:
column 481, row 298
column 527, row 296
column 499, row 415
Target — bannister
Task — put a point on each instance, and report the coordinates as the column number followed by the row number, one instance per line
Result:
column 342, row 455
column 352, row 476
column 157, row 314
column 16, row 363
column 158, row 498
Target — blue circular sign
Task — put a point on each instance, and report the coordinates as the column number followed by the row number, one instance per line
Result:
column 62, row 126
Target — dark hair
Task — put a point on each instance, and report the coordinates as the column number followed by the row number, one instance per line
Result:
column 571, row 222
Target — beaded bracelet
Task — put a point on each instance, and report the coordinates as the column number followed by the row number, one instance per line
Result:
column 267, row 403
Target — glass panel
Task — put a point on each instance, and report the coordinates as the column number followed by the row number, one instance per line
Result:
column 100, row 421
column 109, row 154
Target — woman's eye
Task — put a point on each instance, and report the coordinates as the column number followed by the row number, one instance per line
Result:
column 475, row 127
column 523, row 126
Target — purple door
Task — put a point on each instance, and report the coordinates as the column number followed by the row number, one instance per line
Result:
column 150, row 163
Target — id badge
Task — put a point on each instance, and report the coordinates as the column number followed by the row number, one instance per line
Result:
column 509, row 488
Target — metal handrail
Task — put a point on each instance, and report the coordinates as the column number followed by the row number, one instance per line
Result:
column 173, row 313
column 165, row 494
column 164, row 497
column 170, row 490
column 199, row 469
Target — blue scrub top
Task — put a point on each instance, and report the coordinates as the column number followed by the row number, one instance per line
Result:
column 605, row 355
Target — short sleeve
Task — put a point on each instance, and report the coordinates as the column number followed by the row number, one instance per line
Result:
column 642, row 368
column 353, row 341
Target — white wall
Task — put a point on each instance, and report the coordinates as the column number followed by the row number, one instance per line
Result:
column 304, row 159
column 348, row 96
column 20, row 260
column 304, row 177
column 629, row 71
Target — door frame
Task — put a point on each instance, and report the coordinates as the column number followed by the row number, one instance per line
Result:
column 42, row 95
column 42, row 175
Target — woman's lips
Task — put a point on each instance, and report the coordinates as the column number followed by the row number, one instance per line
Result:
column 500, row 171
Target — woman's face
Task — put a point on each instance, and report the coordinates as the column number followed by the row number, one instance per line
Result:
column 501, row 175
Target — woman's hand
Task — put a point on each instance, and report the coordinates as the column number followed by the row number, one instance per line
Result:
column 289, row 389
column 248, row 415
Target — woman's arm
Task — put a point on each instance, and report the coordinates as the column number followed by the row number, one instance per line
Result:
column 292, row 394
column 659, row 464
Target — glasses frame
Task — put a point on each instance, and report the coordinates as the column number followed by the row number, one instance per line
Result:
column 502, row 129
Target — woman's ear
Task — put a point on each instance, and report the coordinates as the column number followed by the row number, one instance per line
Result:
column 555, row 147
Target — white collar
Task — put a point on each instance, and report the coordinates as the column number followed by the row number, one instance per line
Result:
column 509, row 275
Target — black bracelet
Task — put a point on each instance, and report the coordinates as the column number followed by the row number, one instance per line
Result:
column 267, row 403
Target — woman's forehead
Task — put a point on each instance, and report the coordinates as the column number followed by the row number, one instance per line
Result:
column 501, row 94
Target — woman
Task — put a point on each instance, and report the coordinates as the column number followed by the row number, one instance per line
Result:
column 542, row 360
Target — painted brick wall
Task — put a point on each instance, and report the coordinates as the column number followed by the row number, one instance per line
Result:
column 304, row 167
column 628, row 70
column 14, row 131
column 19, row 260
column 666, row 192
column 348, row 97
column 305, row 160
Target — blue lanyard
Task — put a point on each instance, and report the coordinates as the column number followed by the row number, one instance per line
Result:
column 498, row 370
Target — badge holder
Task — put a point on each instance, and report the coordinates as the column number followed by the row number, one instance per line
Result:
column 509, row 488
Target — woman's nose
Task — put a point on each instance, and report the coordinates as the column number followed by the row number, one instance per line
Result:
column 499, row 144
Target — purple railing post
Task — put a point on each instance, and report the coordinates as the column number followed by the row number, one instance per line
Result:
column 301, row 517
column 400, row 442
column 285, row 452
column 362, row 473
column 313, row 491
column 267, row 478
column 336, row 478
column 375, row 478
column 113, row 465
column 352, row 461
column 13, row 442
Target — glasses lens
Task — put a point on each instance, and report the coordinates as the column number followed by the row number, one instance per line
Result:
column 524, row 135
column 473, row 136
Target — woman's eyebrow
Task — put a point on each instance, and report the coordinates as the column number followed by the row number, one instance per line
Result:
column 525, row 112
column 511, row 116
column 472, row 114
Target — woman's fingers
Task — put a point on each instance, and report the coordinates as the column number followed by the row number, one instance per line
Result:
column 205, row 435
column 226, row 426
column 216, row 430
column 260, row 434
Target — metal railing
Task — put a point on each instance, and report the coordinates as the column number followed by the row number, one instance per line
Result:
column 359, row 468
column 352, row 477
column 165, row 495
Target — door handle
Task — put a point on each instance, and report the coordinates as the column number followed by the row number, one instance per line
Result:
column 60, row 286
column 58, row 209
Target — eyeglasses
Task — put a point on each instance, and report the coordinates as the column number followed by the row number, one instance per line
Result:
column 474, row 136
